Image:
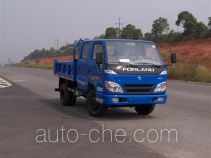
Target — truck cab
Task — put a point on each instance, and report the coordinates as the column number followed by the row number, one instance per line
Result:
column 114, row 73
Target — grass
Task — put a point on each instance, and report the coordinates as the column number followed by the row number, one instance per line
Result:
column 190, row 72
column 34, row 65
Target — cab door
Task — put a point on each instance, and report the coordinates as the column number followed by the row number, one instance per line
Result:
column 82, row 79
column 94, row 71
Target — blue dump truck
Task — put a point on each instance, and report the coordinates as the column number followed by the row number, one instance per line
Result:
column 114, row 73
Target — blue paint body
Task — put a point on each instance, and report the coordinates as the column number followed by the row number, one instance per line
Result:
column 86, row 72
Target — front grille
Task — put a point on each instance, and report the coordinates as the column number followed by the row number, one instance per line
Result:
column 139, row 87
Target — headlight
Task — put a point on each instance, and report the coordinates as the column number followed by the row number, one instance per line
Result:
column 161, row 87
column 164, row 72
column 110, row 72
column 113, row 87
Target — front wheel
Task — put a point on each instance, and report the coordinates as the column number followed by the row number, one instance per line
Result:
column 94, row 108
column 145, row 109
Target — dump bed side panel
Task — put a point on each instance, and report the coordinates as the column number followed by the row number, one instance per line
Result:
column 65, row 69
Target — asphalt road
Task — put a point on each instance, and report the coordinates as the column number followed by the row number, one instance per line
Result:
column 30, row 109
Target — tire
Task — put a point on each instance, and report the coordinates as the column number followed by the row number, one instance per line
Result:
column 145, row 109
column 94, row 108
column 67, row 98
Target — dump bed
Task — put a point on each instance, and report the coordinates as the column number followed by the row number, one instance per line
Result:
column 65, row 69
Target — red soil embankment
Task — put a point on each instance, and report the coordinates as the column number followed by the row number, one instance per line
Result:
column 49, row 60
column 193, row 51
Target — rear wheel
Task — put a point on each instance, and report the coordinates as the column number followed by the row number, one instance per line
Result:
column 67, row 98
column 145, row 109
column 94, row 108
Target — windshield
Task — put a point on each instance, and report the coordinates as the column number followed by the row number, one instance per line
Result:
column 133, row 53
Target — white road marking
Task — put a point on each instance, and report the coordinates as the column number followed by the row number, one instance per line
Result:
column 19, row 80
column 4, row 84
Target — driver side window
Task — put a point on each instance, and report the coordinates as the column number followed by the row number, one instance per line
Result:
column 97, row 48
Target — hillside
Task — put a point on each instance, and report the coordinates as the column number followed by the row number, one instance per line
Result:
column 197, row 51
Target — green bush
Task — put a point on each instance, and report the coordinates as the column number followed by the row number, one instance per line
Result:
column 190, row 72
column 34, row 65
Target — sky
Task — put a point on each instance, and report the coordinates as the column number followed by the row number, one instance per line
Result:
column 26, row 25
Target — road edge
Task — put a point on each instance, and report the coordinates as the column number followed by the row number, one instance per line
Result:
column 190, row 82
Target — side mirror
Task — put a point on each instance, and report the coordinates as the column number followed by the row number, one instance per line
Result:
column 99, row 58
column 173, row 58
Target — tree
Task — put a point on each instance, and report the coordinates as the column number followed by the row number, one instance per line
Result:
column 173, row 36
column 160, row 26
column 149, row 36
column 100, row 37
column 66, row 48
column 209, row 24
column 52, row 49
column 111, row 32
column 36, row 54
column 131, row 32
column 188, row 21
column 201, row 30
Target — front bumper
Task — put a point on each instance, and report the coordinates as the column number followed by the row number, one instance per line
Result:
column 133, row 100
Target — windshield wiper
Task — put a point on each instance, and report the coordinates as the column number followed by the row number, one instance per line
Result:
column 136, row 64
column 124, row 63
column 118, row 63
column 148, row 64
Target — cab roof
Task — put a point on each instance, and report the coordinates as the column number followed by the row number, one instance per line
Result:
column 120, row 40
